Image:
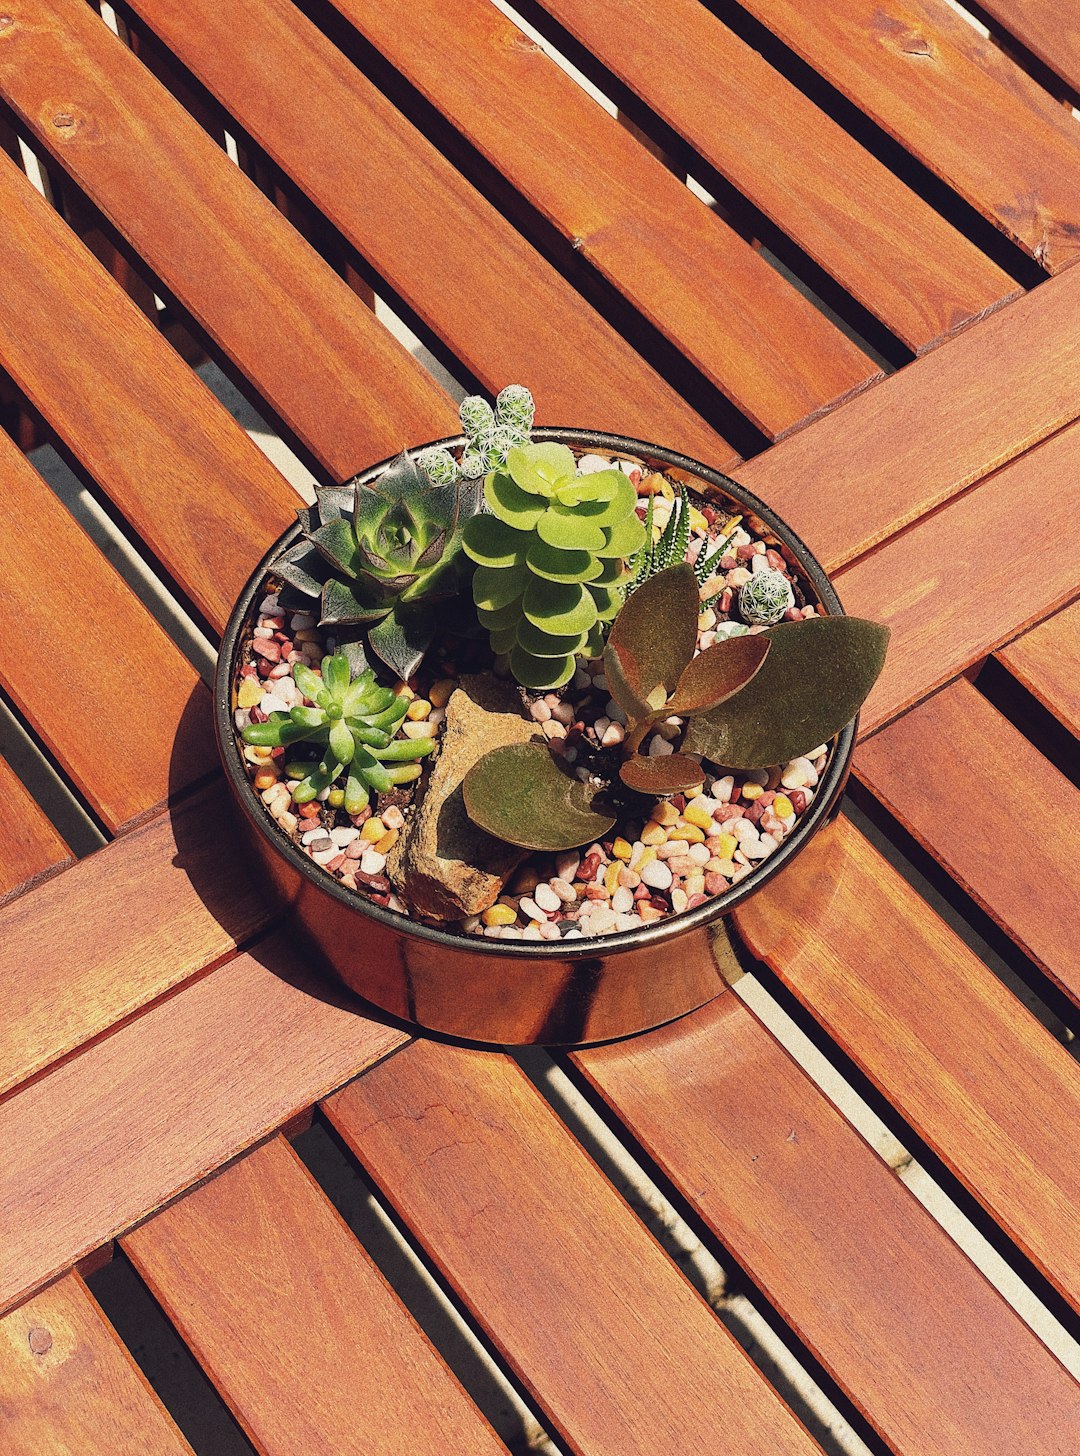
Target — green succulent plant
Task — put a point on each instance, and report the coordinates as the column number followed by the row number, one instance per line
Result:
column 749, row 701
column 552, row 556
column 354, row 721
column 382, row 560
column 490, row 434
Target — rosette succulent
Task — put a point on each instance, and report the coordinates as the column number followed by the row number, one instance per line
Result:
column 353, row 721
column 383, row 560
column 552, row 554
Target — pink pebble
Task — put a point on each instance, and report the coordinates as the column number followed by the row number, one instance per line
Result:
column 265, row 648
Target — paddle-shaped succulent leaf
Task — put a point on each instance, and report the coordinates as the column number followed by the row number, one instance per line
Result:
column 653, row 674
column 353, row 722
column 552, row 557
column 384, row 559
column 521, row 794
column 814, row 680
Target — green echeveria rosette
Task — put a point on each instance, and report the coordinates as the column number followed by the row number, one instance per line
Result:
column 551, row 555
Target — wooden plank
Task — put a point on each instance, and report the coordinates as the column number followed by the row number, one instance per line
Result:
column 31, row 847
column 1049, row 30
column 111, row 1134
column 921, row 1342
column 998, row 816
column 742, row 324
column 67, row 1384
column 183, row 473
column 958, row 103
column 457, row 263
column 946, row 1042
column 99, row 681
column 336, row 377
column 949, row 591
column 1044, row 660
column 70, row 967
column 920, row 276
column 904, row 447
column 253, row 1265
column 602, row 1329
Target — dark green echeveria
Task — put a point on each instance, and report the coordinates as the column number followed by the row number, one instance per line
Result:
column 551, row 559
column 353, row 721
column 384, row 558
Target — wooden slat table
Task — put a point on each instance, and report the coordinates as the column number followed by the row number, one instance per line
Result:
column 163, row 1043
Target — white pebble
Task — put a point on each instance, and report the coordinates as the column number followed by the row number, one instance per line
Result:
column 324, row 856
column 573, row 935
column 548, row 931
column 613, row 734
column 241, row 717
column 622, row 900
column 699, row 853
column 657, row 875
column 530, row 909
column 271, row 703
column 566, row 864
column 312, row 835
column 269, row 604
column 415, row 730
column 799, row 773
column 601, row 726
column 554, row 729
column 723, row 789
column 546, row 897
column 590, row 464
column 659, row 747
column 628, row 922
column 539, row 711
column 263, row 632
column 564, row 890
column 392, row 817
column 531, row 932
column 345, row 835
column 602, row 919
column 372, row 862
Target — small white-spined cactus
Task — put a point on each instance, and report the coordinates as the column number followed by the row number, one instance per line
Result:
column 515, row 410
column 495, row 445
column 472, row 465
column 765, row 598
column 477, row 418
column 438, row 465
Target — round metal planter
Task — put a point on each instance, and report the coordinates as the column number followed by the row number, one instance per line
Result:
column 512, row 993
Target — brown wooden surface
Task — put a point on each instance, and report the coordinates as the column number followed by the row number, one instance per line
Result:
column 853, row 216
column 347, row 389
column 736, row 318
column 958, row 103
column 98, row 680
column 949, row 591
column 1044, row 660
column 111, row 1134
column 1001, row 819
column 32, row 846
column 183, row 473
column 895, row 452
column 602, row 1329
column 71, row 967
column 1050, row 31
column 953, row 1050
column 458, row 264
column 68, row 1387
column 927, row 1350
column 266, row 1285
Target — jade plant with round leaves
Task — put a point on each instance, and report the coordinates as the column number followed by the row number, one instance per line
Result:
column 748, row 702
column 553, row 555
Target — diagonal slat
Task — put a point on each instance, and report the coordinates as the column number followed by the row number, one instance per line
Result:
column 264, row 1282
column 1048, row 29
column 32, row 847
column 874, row 235
column 1044, row 660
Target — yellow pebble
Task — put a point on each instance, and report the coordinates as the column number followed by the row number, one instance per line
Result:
column 726, row 846
column 647, row 912
column 646, row 859
column 782, row 806
column 440, row 692
column 621, row 849
column 611, row 877
column 403, row 690
column 499, row 915
column 698, row 521
column 387, row 842
column 696, row 814
column 373, row 830
column 665, row 813
column 688, row 833
column 265, row 777
column 694, row 884
column 750, row 792
column 417, row 709
column 250, row 692
column 654, row 833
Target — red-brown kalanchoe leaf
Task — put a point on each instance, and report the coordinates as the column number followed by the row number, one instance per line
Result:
column 661, row 775
column 717, row 673
column 520, row 794
column 652, row 639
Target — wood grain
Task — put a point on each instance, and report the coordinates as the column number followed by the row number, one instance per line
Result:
column 998, row 816
column 1044, row 660
column 71, row 966
column 111, row 1134
column 724, row 307
column 609, row 1339
column 178, row 467
column 313, row 350
column 858, row 475
column 31, row 846
column 958, row 103
column 920, row 1341
column 98, row 680
column 945, row 1041
column 258, row 1272
column 457, row 263
column 874, row 235
column 68, row 1387
column 1049, row 30
column 949, row 591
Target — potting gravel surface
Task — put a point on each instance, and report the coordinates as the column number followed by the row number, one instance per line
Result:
column 660, row 859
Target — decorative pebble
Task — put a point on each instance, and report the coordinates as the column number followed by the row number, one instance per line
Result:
column 547, row 898
column 657, row 875
column 372, row 862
